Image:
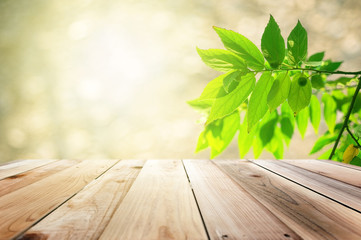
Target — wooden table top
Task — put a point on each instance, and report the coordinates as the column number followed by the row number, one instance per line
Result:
column 180, row 199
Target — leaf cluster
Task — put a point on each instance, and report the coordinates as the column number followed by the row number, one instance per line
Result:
column 264, row 93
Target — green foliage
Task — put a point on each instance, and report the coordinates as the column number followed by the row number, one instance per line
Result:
column 272, row 44
column 289, row 91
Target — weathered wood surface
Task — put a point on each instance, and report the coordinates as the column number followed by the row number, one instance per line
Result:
column 175, row 199
column 160, row 205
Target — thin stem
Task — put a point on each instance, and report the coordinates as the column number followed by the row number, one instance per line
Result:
column 312, row 70
column 345, row 122
column 353, row 137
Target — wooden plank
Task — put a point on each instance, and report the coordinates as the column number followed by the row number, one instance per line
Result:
column 335, row 171
column 159, row 205
column 24, row 179
column 309, row 214
column 339, row 191
column 85, row 215
column 341, row 164
column 23, row 207
column 229, row 212
column 17, row 167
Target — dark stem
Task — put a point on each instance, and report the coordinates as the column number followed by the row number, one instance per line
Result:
column 345, row 122
column 312, row 70
column 353, row 137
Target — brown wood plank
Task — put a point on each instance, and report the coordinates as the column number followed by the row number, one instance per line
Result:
column 228, row 211
column 23, row 207
column 159, row 205
column 334, row 189
column 341, row 164
column 85, row 215
column 309, row 214
column 328, row 169
column 17, row 167
column 20, row 180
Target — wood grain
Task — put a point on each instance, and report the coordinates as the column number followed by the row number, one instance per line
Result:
column 331, row 170
column 159, row 205
column 24, row 179
column 230, row 212
column 339, row 191
column 23, row 207
column 309, row 214
column 93, row 206
column 17, row 167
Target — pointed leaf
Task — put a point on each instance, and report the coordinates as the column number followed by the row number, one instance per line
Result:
column 300, row 95
column 279, row 91
column 257, row 106
column 226, row 105
column 273, row 44
column 329, row 111
column 230, row 80
column 222, row 60
column 297, row 44
column 221, row 132
column 245, row 139
column 322, row 142
column 202, row 142
column 302, row 121
column 316, row 57
column 241, row 46
column 315, row 113
column 268, row 128
column 317, row 81
column 287, row 123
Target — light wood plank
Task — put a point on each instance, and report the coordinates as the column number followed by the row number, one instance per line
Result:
column 23, row 207
column 17, row 167
column 341, row 164
column 328, row 169
column 159, row 205
column 230, row 212
column 24, row 179
column 309, row 214
column 339, row 191
column 85, row 215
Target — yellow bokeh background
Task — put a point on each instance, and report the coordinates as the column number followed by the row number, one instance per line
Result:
column 110, row 79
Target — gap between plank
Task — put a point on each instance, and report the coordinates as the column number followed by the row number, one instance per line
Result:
column 195, row 198
column 66, row 200
column 304, row 186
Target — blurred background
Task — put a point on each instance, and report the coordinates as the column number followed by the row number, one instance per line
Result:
column 110, row 79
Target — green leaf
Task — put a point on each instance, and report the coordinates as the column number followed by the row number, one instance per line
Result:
column 356, row 161
column 257, row 147
column 322, row 142
column 325, row 155
column 230, row 80
column 302, row 121
column 241, row 46
column 316, row 57
column 317, row 81
column 222, row 60
column 357, row 131
column 202, row 142
column 245, row 139
column 257, row 106
column 297, row 44
column 341, row 80
column 279, row 91
column 275, row 146
column 221, row 132
column 313, row 63
column 226, row 105
column 287, row 123
column 299, row 96
column 273, row 44
column 213, row 90
column 330, row 66
column 329, row 111
column 315, row 113
column 267, row 128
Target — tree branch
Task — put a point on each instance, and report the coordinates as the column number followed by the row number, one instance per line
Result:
column 353, row 137
column 345, row 122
